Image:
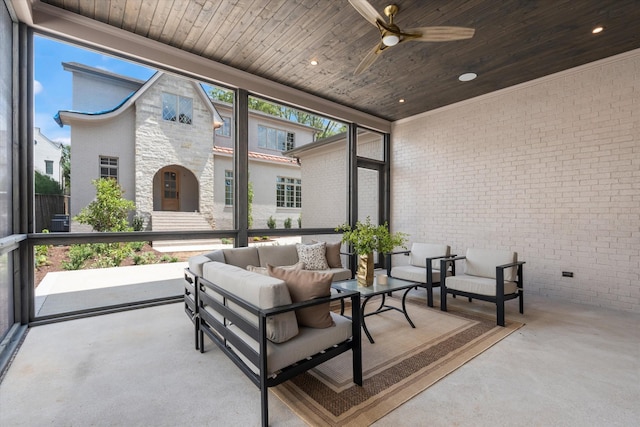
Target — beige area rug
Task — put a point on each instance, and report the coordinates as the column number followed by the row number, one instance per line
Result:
column 402, row 363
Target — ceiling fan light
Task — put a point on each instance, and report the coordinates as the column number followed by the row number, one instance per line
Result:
column 390, row 40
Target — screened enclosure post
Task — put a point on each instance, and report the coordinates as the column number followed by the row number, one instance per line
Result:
column 241, row 166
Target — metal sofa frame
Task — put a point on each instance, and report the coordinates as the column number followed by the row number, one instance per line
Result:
column 234, row 346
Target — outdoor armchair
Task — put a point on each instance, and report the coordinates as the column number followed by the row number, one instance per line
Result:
column 489, row 275
column 423, row 267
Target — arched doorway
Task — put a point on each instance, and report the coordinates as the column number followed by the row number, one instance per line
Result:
column 175, row 188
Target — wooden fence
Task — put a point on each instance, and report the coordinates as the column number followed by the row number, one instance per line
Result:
column 47, row 207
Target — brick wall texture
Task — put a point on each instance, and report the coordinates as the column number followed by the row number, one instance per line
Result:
column 550, row 169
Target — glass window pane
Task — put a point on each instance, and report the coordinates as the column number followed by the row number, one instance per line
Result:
column 370, row 144
column 169, row 107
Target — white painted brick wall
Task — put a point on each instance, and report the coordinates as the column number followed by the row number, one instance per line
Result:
column 550, row 169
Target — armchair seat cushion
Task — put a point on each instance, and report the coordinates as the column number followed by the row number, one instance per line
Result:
column 479, row 285
column 414, row 274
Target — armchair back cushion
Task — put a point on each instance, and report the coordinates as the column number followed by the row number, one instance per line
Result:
column 421, row 251
column 483, row 263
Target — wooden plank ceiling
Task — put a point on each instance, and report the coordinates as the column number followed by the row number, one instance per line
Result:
column 515, row 41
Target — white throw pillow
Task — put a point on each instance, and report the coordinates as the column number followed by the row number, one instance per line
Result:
column 313, row 256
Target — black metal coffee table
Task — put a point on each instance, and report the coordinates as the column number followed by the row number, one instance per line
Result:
column 377, row 289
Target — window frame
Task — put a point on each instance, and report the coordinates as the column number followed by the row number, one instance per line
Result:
column 264, row 138
column 110, row 166
column 48, row 167
column 225, row 129
column 178, row 114
column 228, row 188
column 288, row 192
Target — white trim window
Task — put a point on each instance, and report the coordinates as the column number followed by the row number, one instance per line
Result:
column 225, row 129
column 48, row 167
column 275, row 139
column 177, row 108
column 109, row 167
column 228, row 188
column 288, row 192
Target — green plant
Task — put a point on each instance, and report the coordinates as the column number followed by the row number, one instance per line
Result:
column 287, row 223
column 167, row 258
column 271, row 223
column 226, row 241
column 264, row 238
column 137, row 246
column 144, row 258
column 300, row 221
column 109, row 211
column 367, row 237
column 78, row 254
column 42, row 253
column 250, row 204
column 44, row 184
column 137, row 223
column 256, row 238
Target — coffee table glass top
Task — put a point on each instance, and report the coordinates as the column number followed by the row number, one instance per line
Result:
column 375, row 289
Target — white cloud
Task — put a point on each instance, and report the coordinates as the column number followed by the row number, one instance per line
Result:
column 37, row 87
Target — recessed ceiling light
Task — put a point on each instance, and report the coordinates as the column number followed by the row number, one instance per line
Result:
column 314, row 62
column 467, row 77
column 597, row 29
column 401, row 100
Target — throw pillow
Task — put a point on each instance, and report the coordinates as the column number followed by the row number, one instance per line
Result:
column 313, row 256
column 263, row 270
column 332, row 254
column 304, row 285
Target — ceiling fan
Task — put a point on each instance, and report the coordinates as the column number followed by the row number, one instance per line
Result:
column 391, row 35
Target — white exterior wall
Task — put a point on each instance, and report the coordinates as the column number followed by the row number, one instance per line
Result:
column 550, row 169
column 46, row 150
column 93, row 93
column 90, row 140
column 263, row 176
column 324, row 186
column 161, row 143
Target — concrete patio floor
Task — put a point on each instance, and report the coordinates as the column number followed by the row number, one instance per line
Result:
column 570, row 365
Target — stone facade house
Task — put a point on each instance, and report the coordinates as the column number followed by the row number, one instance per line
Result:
column 171, row 148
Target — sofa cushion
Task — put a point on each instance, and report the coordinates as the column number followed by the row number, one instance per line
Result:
column 421, row 251
column 340, row 273
column 265, row 270
column 196, row 262
column 241, row 257
column 261, row 291
column 305, row 285
column 483, row 263
column 308, row 342
column 277, row 255
column 313, row 256
column 479, row 285
column 332, row 253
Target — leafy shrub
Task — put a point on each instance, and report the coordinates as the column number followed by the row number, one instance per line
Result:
column 137, row 223
column 41, row 253
column 144, row 258
column 226, row 241
column 300, row 221
column 44, row 184
column 136, row 246
column 109, row 211
column 78, row 254
column 167, row 258
column 287, row 223
column 271, row 223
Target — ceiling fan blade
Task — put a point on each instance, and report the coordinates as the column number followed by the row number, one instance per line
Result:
column 438, row 34
column 367, row 11
column 369, row 59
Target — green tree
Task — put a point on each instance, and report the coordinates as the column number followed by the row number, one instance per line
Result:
column 250, row 205
column 325, row 126
column 109, row 211
column 44, row 184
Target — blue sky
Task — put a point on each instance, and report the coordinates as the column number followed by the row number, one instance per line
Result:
column 52, row 85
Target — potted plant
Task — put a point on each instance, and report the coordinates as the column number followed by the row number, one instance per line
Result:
column 367, row 238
